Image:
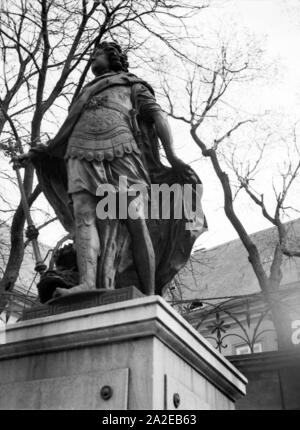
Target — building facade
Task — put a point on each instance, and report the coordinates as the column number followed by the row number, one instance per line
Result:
column 218, row 293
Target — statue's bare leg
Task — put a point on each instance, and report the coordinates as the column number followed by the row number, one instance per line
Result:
column 87, row 242
column 143, row 252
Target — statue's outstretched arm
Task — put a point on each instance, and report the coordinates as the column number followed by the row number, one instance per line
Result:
column 164, row 133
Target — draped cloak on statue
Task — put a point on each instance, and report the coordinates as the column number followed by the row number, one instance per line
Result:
column 172, row 242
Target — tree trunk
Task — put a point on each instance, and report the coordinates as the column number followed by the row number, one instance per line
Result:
column 16, row 255
column 280, row 317
column 269, row 285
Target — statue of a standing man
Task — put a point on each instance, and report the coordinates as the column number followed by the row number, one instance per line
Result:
column 100, row 141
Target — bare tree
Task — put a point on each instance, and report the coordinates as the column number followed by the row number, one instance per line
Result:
column 45, row 49
column 201, row 110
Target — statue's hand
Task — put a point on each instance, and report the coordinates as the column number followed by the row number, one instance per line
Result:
column 182, row 169
column 177, row 163
column 24, row 159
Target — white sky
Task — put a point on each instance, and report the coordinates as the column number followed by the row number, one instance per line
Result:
column 277, row 22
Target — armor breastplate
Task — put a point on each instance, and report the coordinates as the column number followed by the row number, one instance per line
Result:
column 103, row 130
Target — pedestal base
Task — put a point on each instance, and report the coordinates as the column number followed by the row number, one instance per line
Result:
column 82, row 300
column 136, row 354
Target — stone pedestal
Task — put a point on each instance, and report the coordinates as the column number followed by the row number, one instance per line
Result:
column 135, row 354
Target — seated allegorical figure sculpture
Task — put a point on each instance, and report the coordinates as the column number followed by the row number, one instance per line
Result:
column 113, row 130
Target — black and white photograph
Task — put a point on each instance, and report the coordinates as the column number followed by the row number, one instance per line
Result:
column 149, row 208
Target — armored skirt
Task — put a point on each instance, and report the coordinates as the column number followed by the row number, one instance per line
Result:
column 102, row 147
column 86, row 175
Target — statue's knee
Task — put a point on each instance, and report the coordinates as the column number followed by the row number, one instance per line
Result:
column 84, row 210
column 85, row 218
column 136, row 209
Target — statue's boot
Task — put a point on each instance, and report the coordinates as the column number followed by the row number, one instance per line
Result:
column 87, row 250
column 60, row 292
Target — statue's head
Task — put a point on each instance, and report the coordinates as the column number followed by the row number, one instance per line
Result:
column 108, row 56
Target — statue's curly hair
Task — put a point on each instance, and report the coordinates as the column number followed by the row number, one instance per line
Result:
column 117, row 58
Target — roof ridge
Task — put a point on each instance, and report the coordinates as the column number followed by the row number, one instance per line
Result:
column 229, row 242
